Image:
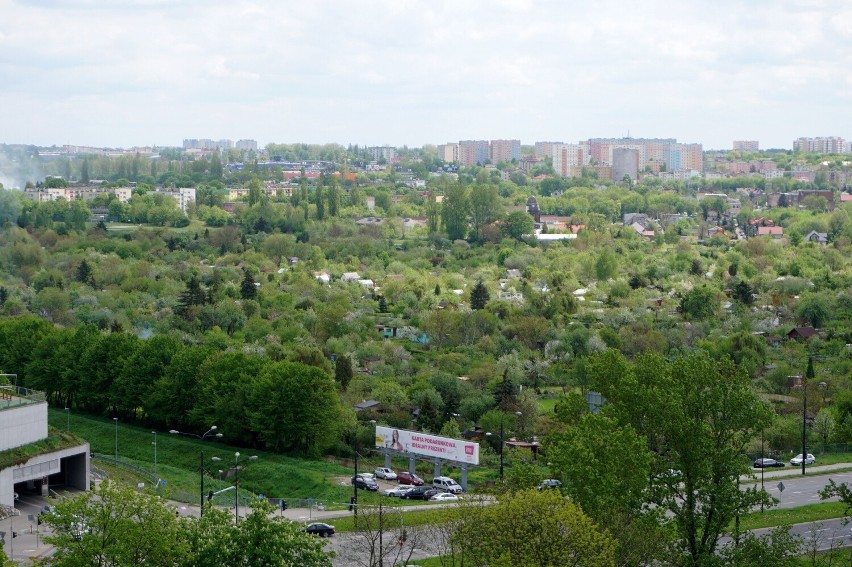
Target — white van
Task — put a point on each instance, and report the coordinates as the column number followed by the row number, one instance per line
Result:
column 447, row 484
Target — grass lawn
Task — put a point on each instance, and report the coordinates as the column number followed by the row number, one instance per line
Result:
column 178, row 460
column 809, row 513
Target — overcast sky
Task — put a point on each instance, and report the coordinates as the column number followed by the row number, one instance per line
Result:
column 142, row 72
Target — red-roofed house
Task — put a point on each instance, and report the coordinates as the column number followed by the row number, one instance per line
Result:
column 773, row 231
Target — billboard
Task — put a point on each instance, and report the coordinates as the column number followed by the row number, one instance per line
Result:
column 426, row 445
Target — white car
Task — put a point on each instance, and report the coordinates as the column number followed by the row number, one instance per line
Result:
column 797, row 460
column 385, row 473
column 444, row 497
column 398, row 491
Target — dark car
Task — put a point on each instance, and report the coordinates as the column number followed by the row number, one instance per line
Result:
column 551, row 483
column 767, row 463
column 421, row 493
column 365, row 482
column 405, row 477
column 320, row 529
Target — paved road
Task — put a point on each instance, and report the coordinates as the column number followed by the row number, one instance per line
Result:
column 802, row 490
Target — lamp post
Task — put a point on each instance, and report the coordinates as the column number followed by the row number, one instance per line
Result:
column 237, row 485
column 208, row 434
column 115, row 419
column 809, row 373
column 155, row 457
column 68, row 418
column 517, row 413
column 355, row 478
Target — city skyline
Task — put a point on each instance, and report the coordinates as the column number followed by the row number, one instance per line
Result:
column 152, row 72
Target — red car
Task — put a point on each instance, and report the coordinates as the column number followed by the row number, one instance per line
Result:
column 405, row 477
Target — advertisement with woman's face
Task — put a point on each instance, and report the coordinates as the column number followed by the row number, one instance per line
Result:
column 418, row 443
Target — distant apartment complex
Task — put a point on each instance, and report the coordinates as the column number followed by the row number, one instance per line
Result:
column 449, row 152
column 184, row 196
column 746, row 146
column 505, row 150
column 247, row 145
column 829, row 145
column 474, row 152
column 386, row 153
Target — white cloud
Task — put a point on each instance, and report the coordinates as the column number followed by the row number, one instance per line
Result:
column 149, row 71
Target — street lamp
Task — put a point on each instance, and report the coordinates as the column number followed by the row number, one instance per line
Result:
column 237, row 485
column 155, row 457
column 115, row 419
column 68, row 417
column 209, row 433
column 517, row 413
column 809, row 373
column 354, row 502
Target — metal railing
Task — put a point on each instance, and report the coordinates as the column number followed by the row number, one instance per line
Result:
column 110, row 459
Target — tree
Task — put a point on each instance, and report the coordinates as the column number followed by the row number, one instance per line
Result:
column 248, row 289
column 84, row 171
column 743, row 292
column 699, row 303
column 454, row 212
column 518, row 224
column 824, row 425
column 84, row 272
column 307, row 423
column 532, row 528
column 343, row 371
column 696, row 414
column 606, row 264
column 118, row 526
column 479, row 296
column 255, row 194
column 263, row 539
column 192, row 296
column 484, row 206
column 813, row 309
column 320, row 200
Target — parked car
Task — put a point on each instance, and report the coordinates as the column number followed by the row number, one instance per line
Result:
column 444, row 497
column 797, row 460
column 420, row 493
column 321, row 529
column 385, row 473
column 767, row 463
column 447, row 484
column 405, row 477
column 365, row 481
column 551, row 483
column 398, row 490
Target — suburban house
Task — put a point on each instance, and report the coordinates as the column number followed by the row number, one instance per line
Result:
column 771, row 231
column 818, row 237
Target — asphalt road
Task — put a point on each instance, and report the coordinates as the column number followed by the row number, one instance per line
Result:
column 802, row 490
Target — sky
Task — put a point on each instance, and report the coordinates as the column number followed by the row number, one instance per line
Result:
column 123, row 73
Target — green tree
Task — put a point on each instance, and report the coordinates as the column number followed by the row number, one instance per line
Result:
column 519, row 224
column 479, row 296
column 697, row 414
column 484, row 206
column 699, row 303
column 454, row 212
column 814, row 310
column 84, row 171
column 84, row 272
column 532, row 528
column 343, row 371
column 307, row 423
column 320, row 200
column 256, row 194
column 116, row 525
column 606, row 264
column 192, row 297
column 248, row 289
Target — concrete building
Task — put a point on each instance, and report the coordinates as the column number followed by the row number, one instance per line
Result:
column 566, row 158
column 827, row 145
column 474, row 152
column 247, row 145
column 746, row 146
column 23, row 421
column 449, row 152
column 183, row 196
column 505, row 150
column 544, row 149
column 386, row 153
column 625, row 162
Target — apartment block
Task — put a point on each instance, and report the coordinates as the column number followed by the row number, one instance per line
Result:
column 247, row 145
column 747, row 146
column 474, row 152
column 505, row 150
column 828, row 145
column 625, row 163
column 545, row 149
column 449, row 152
column 566, row 158
column 386, row 153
